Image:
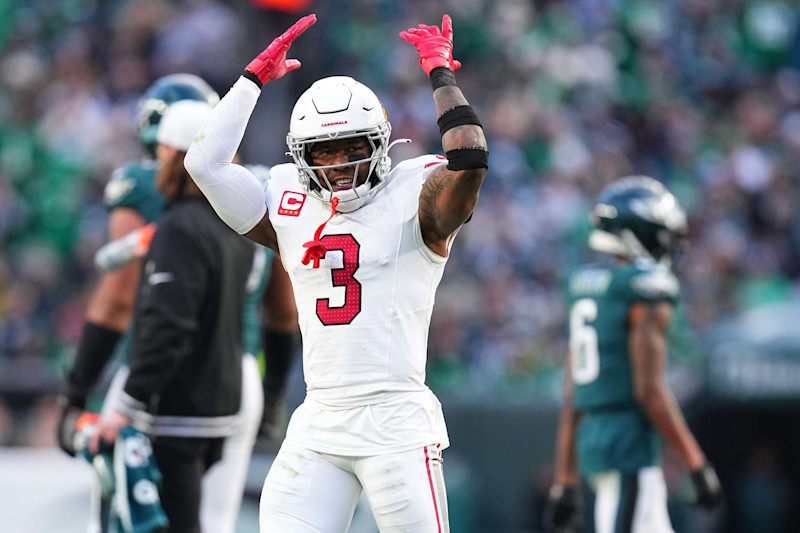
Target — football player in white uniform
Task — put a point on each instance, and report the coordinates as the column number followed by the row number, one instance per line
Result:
column 365, row 246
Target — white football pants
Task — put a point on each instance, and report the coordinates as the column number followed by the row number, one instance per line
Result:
column 223, row 484
column 631, row 503
column 310, row 492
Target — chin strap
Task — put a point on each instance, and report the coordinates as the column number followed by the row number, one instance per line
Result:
column 316, row 250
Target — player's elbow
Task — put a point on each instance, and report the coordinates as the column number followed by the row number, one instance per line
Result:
column 282, row 318
column 471, row 179
column 473, row 201
column 195, row 162
column 114, row 312
column 649, row 395
column 470, row 183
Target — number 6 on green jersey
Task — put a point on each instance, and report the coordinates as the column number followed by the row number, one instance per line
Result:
column 583, row 341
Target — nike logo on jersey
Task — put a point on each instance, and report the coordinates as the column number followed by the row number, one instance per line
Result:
column 159, row 277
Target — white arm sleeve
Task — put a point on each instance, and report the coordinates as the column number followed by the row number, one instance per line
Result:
column 235, row 194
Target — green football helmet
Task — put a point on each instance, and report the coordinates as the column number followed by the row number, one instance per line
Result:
column 162, row 94
column 637, row 217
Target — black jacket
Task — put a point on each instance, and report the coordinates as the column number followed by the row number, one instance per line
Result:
column 186, row 348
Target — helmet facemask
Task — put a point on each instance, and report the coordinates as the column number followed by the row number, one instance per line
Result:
column 318, row 185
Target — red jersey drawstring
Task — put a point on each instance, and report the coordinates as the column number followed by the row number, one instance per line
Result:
column 316, row 250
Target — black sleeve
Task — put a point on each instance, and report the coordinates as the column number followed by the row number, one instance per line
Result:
column 171, row 292
column 94, row 351
column 279, row 350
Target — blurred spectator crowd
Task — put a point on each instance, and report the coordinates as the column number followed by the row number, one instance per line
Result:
column 701, row 94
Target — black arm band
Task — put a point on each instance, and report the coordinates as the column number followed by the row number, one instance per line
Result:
column 457, row 116
column 442, row 77
column 252, row 77
column 279, row 350
column 468, row 158
column 94, row 351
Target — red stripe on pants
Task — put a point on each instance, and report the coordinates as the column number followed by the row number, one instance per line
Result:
column 433, row 492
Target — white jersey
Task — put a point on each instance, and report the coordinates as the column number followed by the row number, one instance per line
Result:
column 364, row 315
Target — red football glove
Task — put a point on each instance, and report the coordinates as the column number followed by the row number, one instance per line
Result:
column 271, row 64
column 435, row 48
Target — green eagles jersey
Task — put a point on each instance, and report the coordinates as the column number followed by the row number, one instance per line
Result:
column 256, row 284
column 599, row 302
column 134, row 186
column 613, row 433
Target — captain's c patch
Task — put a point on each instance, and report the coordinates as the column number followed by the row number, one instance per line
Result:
column 291, row 203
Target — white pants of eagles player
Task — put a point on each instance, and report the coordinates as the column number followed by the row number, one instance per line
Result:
column 223, row 483
column 635, row 503
column 311, row 492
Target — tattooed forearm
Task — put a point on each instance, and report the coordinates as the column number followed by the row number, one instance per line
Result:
column 447, row 200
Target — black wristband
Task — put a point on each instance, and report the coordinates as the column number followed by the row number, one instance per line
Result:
column 442, row 77
column 94, row 351
column 279, row 350
column 457, row 116
column 252, row 77
column 467, row 158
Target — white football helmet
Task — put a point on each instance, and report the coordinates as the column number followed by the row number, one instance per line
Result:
column 335, row 108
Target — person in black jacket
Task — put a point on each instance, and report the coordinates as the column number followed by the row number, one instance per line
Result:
column 184, row 386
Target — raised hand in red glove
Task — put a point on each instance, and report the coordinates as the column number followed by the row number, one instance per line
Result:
column 435, row 48
column 271, row 64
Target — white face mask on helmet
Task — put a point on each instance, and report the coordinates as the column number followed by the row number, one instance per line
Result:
column 337, row 108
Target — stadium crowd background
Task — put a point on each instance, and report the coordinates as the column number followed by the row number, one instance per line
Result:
column 701, row 94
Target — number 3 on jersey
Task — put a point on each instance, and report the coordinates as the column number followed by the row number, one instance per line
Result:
column 342, row 277
column 583, row 342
